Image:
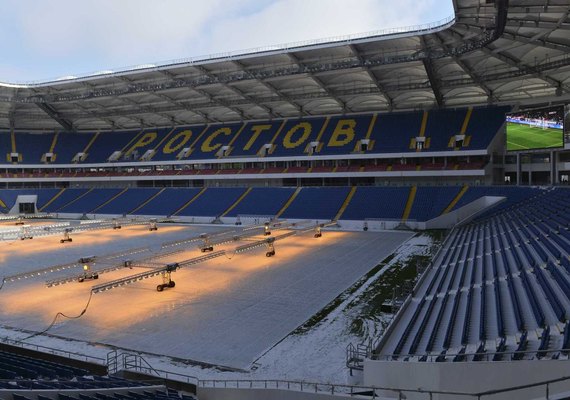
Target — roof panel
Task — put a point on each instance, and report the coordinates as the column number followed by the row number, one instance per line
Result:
column 473, row 61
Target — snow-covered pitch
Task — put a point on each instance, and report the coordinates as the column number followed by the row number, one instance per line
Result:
column 227, row 311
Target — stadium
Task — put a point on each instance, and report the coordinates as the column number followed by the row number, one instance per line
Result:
column 380, row 216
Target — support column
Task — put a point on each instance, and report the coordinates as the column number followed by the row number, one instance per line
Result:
column 519, row 172
column 553, row 169
column 530, row 175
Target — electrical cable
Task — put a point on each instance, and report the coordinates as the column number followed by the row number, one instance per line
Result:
column 53, row 322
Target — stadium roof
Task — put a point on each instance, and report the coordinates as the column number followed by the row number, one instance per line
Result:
column 492, row 52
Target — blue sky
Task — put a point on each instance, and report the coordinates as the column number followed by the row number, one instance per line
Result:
column 42, row 39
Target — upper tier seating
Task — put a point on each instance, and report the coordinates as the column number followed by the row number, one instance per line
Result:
column 382, row 133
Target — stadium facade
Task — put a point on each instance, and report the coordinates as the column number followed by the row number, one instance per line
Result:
column 400, row 127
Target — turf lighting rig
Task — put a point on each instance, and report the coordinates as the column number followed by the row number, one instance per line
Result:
column 318, row 232
column 124, row 253
column 206, row 244
column 26, row 234
column 167, row 281
column 167, row 269
column 253, row 227
column 319, row 227
column 19, row 218
column 270, row 248
column 66, row 237
column 88, row 272
column 195, row 238
column 264, row 242
column 269, row 242
column 39, row 272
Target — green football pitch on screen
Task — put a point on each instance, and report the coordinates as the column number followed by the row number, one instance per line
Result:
column 524, row 137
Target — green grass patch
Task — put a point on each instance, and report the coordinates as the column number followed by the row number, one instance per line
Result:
column 524, row 137
column 382, row 290
column 368, row 306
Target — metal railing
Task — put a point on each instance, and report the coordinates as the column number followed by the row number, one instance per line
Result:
column 299, row 386
column 117, row 361
column 485, row 356
column 546, row 387
column 57, row 352
column 125, row 361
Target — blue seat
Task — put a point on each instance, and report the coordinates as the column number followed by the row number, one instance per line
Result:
column 516, row 304
column 566, row 341
column 482, row 314
column 438, row 319
column 544, row 342
column 523, row 343
column 499, row 310
column 500, row 349
column 553, row 300
column 451, row 323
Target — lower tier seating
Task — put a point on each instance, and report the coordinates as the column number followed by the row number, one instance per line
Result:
column 500, row 284
column 22, row 375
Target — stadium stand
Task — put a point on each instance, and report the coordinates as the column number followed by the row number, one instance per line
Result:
column 430, row 202
column 34, row 146
column 500, row 285
column 9, row 197
column 316, row 203
column 89, row 201
column 24, row 377
column 68, row 196
column 350, row 131
column 319, row 136
column 212, row 202
column 15, row 366
column 102, row 145
column 167, row 201
column 262, row 201
column 376, row 202
column 513, row 194
column 127, row 201
column 69, row 144
column 366, row 202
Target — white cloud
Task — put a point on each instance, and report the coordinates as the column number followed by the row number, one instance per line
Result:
column 287, row 21
column 115, row 29
column 73, row 37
